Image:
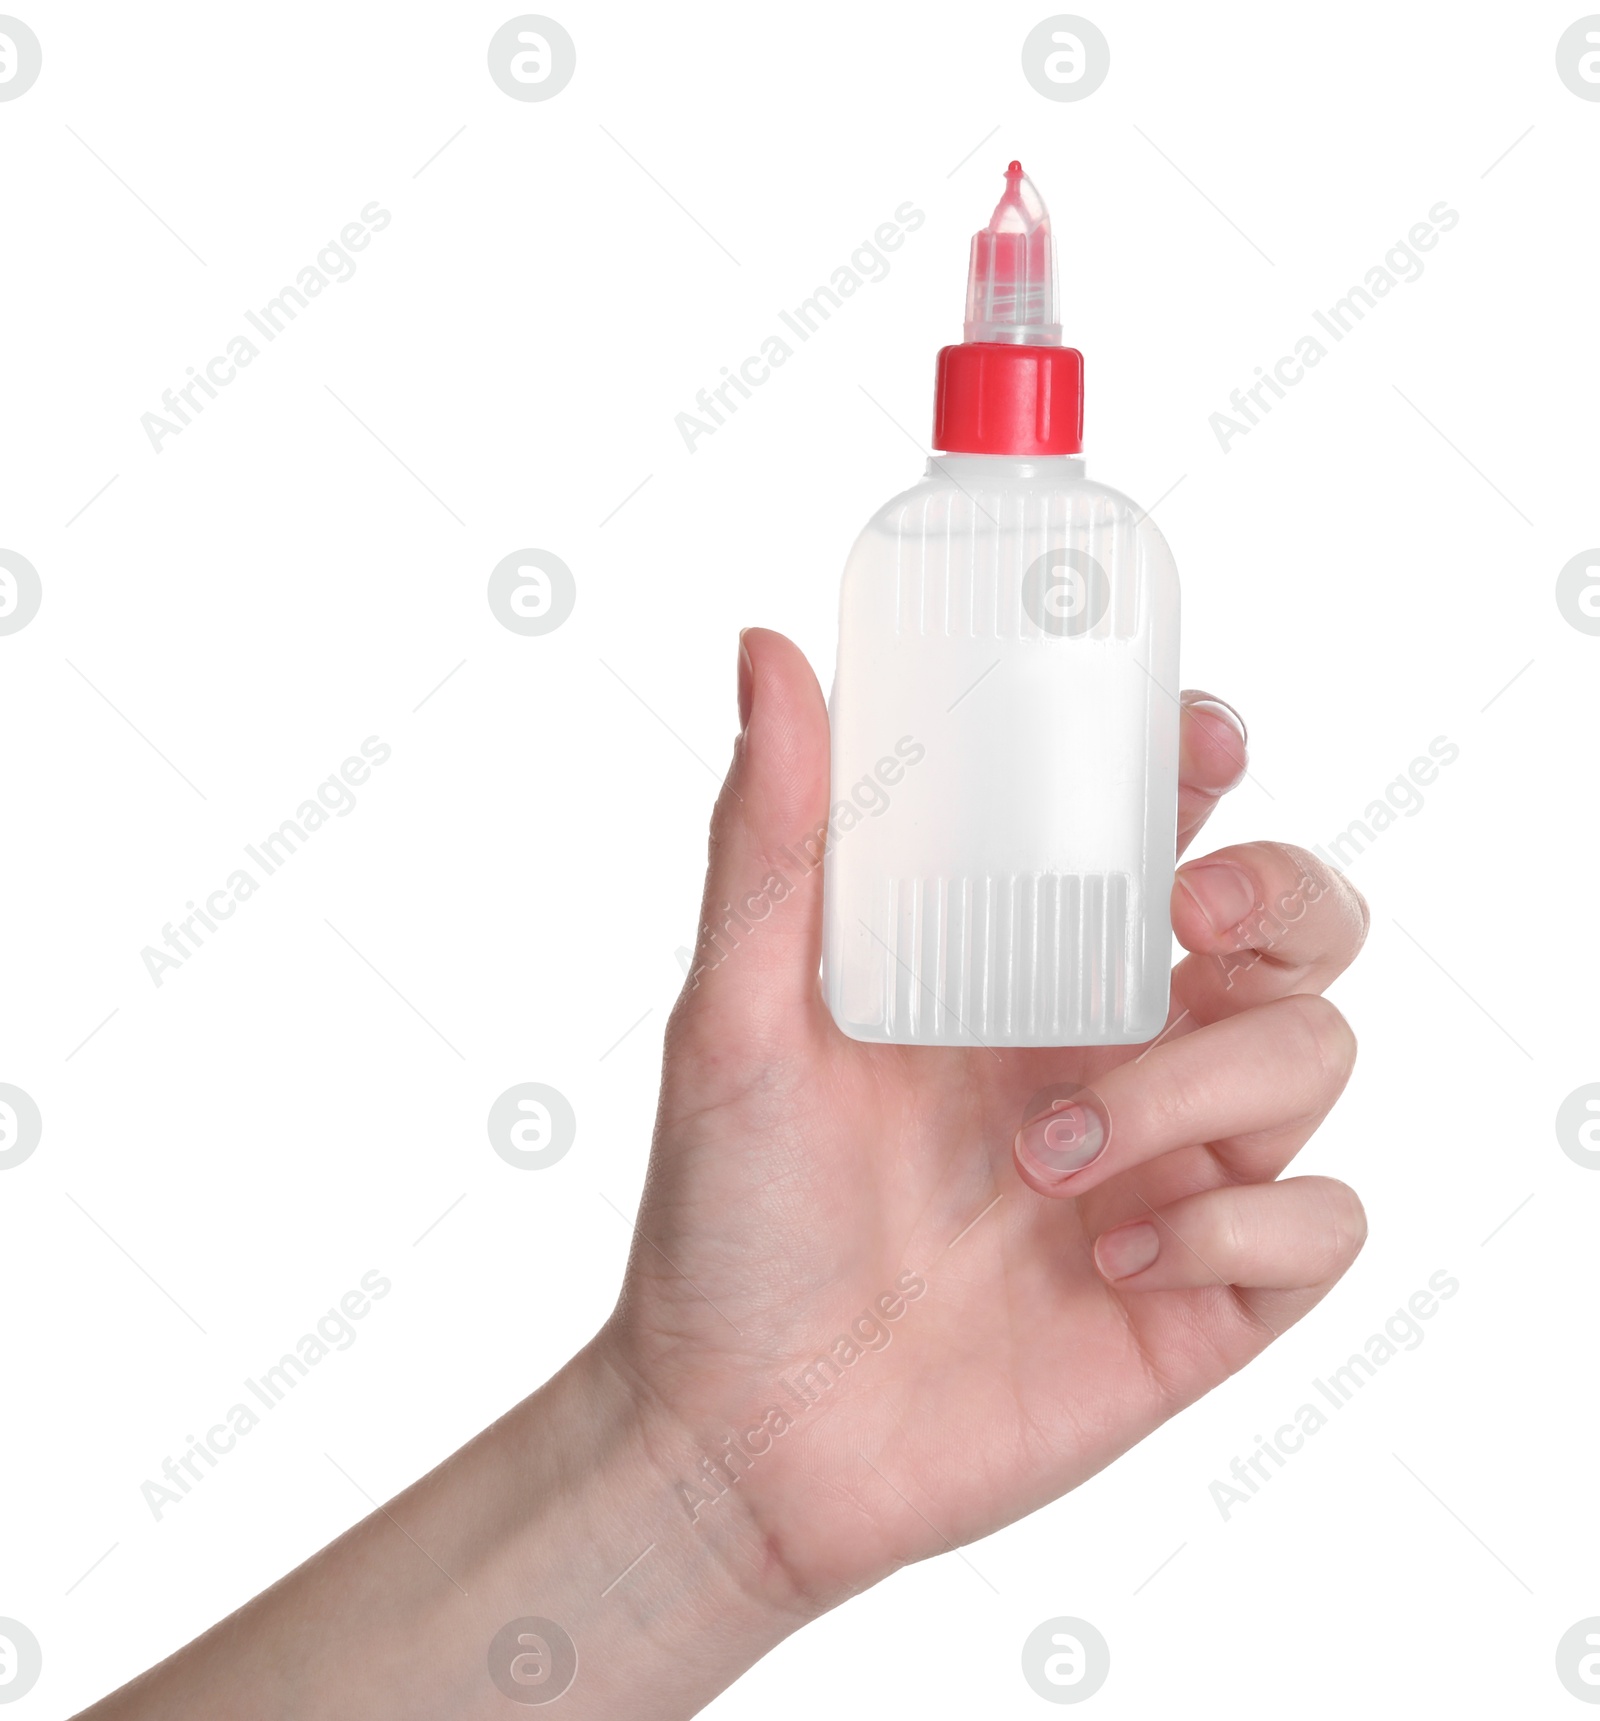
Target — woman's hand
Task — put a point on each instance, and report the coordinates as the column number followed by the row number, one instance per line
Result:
column 882, row 1299
column 1021, row 1292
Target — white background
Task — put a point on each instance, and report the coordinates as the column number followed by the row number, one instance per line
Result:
column 275, row 585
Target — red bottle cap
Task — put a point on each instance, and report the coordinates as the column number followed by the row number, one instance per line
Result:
column 994, row 399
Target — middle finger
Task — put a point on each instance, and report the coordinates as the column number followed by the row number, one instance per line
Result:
column 1262, row 921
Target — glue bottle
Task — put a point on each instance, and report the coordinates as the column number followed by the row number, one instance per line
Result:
column 1000, row 846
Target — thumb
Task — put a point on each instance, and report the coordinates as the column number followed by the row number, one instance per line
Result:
column 760, row 934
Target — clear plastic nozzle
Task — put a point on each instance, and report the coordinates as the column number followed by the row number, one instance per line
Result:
column 1011, row 283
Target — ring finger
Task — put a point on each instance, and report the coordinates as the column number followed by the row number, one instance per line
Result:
column 1251, row 1088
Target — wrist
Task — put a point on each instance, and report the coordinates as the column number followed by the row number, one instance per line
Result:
column 607, row 1548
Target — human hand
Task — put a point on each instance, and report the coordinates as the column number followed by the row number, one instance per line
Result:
column 866, row 1318
column 1016, row 1323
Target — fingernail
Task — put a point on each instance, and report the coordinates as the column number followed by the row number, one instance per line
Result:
column 1237, row 751
column 1209, row 702
column 747, row 682
column 1223, row 892
column 1128, row 1250
column 1066, row 1139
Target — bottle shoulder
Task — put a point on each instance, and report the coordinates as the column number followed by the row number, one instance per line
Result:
column 955, row 500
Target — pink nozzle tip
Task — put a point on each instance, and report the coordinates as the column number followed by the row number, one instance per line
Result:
column 1020, row 209
column 1011, row 287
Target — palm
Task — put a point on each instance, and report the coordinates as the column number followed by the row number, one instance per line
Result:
column 1018, row 1373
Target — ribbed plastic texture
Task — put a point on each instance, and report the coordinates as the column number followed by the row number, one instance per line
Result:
column 1005, row 759
column 994, row 399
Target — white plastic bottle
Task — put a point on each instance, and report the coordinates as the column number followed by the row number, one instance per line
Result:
column 1005, row 710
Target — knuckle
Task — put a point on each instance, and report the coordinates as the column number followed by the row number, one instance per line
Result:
column 1322, row 884
column 1313, row 917
column 1343, row 1228
column 1233, row 1236
column 1167, row 1110
column 1363, row 913
column 1326, row 1040
column 1303, row 873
